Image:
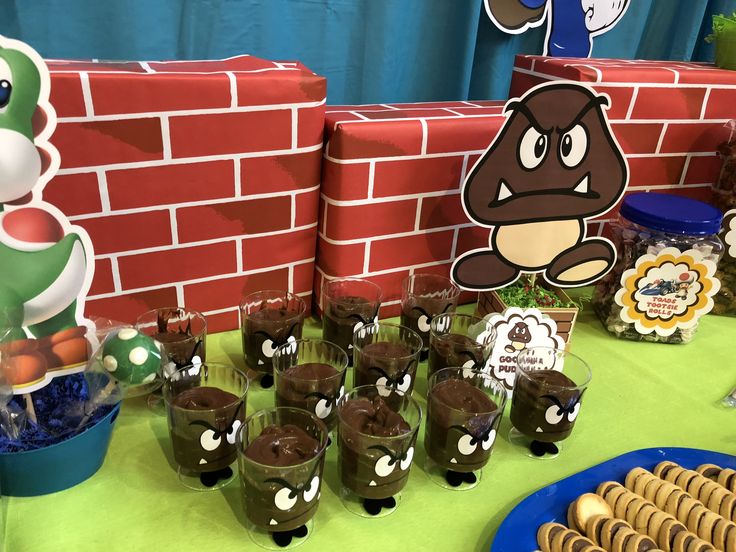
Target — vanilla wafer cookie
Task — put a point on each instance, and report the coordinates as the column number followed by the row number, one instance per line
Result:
column 702, row 488
column 725, row 477
column 555, row 537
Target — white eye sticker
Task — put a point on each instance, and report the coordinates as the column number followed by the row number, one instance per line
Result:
column 323, row 408
column 423, row 324
column 487, row 443
column 553, row 415
column 284, row 499
column 383, row 391
column 406, row 462
column 291, row 339
column 533, row 148
column 209, row 441
column 574, row 414
column 469, row 364
column 268, row 349
column 466, row 446
column 358, row 326
column 573, row 146
column 385, row 466
column 404, row 383
column 341, row 393
column 232, row 433
column 311, row 490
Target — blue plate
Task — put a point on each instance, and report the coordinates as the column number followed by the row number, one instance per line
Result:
column 518, row 532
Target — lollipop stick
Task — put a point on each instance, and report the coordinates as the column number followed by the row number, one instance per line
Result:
column 98, row 400
column 29, row 408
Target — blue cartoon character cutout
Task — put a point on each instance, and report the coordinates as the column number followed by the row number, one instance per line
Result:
column 45, row 263
column 571, row 24
column 554, row 164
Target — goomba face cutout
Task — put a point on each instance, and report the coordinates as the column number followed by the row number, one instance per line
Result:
column 204, row 440
column 388, row 382
column 285, row 502
column 554, row 164
column 263, row 337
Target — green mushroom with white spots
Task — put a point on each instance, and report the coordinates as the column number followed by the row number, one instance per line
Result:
column 130, row 357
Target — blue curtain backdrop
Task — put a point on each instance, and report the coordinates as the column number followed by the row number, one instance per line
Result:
column 370, row 50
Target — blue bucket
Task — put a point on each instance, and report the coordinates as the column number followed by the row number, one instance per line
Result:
column 60, row 466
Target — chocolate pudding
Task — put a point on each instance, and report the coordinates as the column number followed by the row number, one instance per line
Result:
column 340, row 317
column 543, row 406
column 203, row 424
column 455, row 350
column 460, row 428
column 373, row 462
column 264, row 331
column 179, row 343
column 281, row 487
column 386, row 363
column 417, row 312
column 313, row 386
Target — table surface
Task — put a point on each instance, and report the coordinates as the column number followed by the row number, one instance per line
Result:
column 641, row 395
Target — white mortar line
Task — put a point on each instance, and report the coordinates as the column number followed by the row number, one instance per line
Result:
column 397, row 235
column 86, row 95
column 634, row 96
column 366, row 255
column 371, row 178
column 239, row 255
column 418, row 215
column 104, row 194
column 290, row 279
column 615, row 84
column 293, row 210
column 425, row 136
column 705, row 103
column 201, row 243
column 453, row 250
column 661, row 138
column 294, row 128
column 205, row 279
column 199, row 203
column 236, row 178
column 684, row 170
column 179, row 295
column 174, row 226
column 146, row 67
column 115, row 275
column 165, row 137
column 233, row 89
column 154, row 72
column 187, row 160
column 189, row 112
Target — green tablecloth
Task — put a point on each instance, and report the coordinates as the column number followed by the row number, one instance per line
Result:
column 642, row 395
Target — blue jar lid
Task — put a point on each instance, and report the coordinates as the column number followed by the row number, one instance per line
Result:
column 671, row 213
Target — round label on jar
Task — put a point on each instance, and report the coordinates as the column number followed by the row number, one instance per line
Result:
column 667, row 291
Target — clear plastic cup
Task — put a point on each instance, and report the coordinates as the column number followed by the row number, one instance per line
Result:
column 206, row 407
column 460, row 340
column 464, row 410
column 386, row 355
column 548, row 392
column 374, row 468
column 310, row 374
column 280, row 501
column 182, row 334
column 424, row 296
column 268, row 319
column 348, row 304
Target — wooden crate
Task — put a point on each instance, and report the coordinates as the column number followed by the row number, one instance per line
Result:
column 489, row 301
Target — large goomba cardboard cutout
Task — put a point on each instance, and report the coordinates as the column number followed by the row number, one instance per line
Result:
column 571, row 24
column 554, row 164
column 46, row 264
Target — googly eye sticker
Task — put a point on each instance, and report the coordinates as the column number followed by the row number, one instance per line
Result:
column 311, row 490
column 210, row 440
column 285, row 499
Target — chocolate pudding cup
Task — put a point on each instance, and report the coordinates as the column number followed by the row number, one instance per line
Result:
column 386, row 355
column 183, row 336
column 460, row 340
column 424, row 296
column 548, row 392
column 310, row 374
column 206, row 407
column 349, row 303
column 268, row 319
column 376, row 448
column 464, row 410
column 280, row 459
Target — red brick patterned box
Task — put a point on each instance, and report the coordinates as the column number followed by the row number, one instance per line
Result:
column 390, row 199
column 668, row 116
column 196, row 180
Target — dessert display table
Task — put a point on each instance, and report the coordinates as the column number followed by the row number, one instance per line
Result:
column 641, row 395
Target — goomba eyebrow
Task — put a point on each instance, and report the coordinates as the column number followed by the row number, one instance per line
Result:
column 385, row 450
column 554, row 400
column 281, row 482
column 420, row 309
column 204, row 424
column 463, row 429
column 594, row 102
column 518, row 107
column 355, row 315
column 380, row 371
column 319, row 395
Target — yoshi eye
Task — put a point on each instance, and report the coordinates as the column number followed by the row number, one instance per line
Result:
column 5, row 89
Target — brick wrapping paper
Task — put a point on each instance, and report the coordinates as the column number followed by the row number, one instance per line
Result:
column 668, row 116
column 390, row 199
column 196, row 180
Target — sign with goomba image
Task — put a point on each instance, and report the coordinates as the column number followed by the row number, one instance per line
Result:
column 46, row 264
column 554, row 165
column 518, row 330
column 667, row 291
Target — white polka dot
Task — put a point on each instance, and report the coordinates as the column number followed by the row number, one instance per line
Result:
column 110, row 363
column 138, row 356
column 149, row 378
column 127, row 333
